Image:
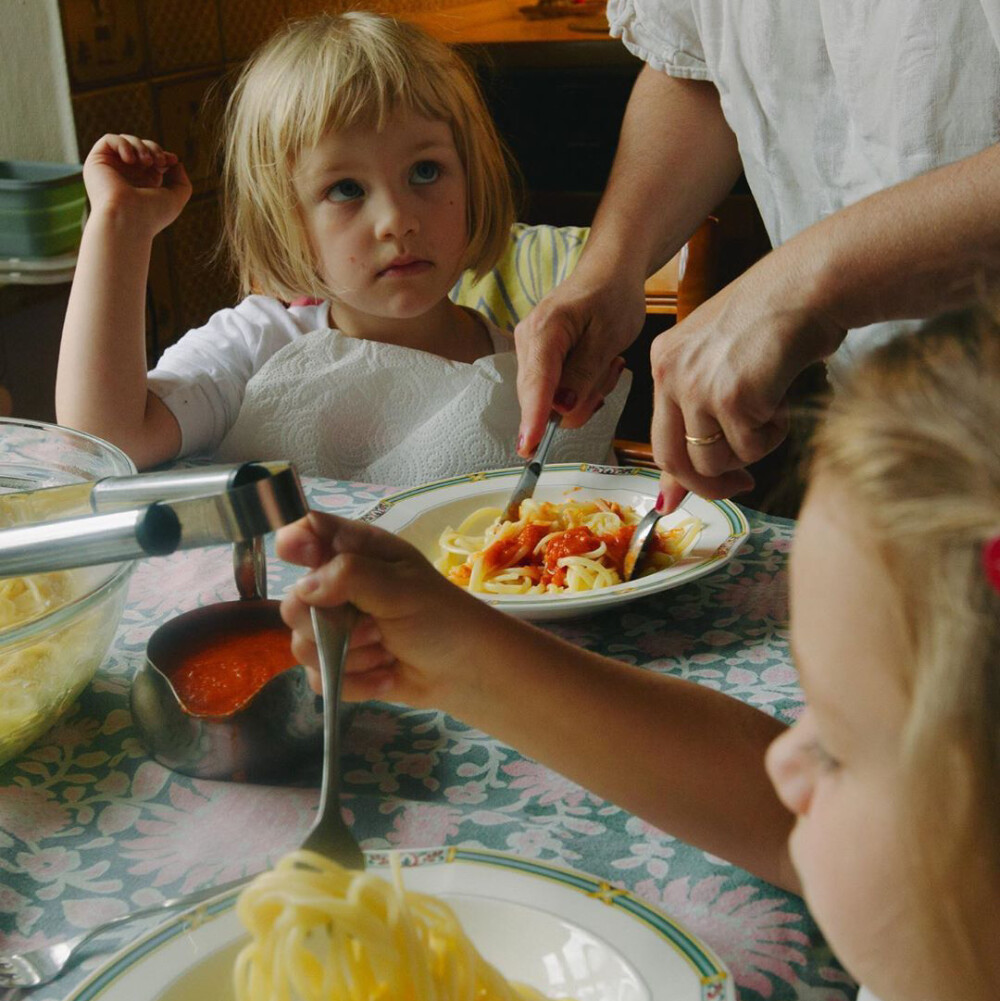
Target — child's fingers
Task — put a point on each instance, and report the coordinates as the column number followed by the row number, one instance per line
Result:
column 361, row 662
column 174, row 174
column 381, row 588
column 132, row 150
column 319, row 536
column 300, row 544
column 159, row 154
column 377, row 683
column 297, row 615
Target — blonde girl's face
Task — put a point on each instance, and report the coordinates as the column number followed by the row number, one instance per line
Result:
column 838, row 769
column 385, row 214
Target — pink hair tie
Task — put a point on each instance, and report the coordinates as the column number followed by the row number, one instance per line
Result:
column 991, row 562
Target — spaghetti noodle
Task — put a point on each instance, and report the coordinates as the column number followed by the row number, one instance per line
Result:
column 320, row 932
column 30, row 673
column 553, row 548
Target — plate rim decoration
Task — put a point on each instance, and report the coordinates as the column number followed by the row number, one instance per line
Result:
column 728, row 516
column 714, row 980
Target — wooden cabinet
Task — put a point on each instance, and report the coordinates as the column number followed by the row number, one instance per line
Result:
column 558, row 96
column 559, row 106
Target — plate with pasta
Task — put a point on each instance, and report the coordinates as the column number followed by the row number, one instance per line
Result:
column 562, row 556
column 445, row 924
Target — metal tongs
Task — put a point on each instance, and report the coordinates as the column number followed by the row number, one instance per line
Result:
column 152, row 514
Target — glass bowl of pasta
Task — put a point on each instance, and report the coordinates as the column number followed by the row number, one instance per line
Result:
column 55, row 628
column 562, row 557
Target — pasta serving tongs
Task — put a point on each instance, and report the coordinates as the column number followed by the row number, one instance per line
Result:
column 152, row 514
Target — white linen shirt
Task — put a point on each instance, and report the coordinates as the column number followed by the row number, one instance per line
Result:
column 262, row 381
column 832, row 100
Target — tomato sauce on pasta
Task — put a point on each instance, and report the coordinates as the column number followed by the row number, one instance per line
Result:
column 553, row 547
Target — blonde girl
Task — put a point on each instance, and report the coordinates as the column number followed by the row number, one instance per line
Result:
column 880, row 804
column 362, row 171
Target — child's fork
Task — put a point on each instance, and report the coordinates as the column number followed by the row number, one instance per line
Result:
column 36, row 967
column 329, row 834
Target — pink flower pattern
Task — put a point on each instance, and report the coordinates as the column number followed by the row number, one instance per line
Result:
column 31, row 815
column 758, row 931
column 91, row 827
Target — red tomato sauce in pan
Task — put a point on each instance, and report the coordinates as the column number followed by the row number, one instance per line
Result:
column 223, row 672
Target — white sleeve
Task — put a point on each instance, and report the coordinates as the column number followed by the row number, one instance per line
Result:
column 202, row 378
column 662, row 33
column 992, row 13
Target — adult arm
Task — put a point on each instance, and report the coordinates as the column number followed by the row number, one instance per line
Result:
column 912, row 250
column 676, row 160
column 687, row 759
column 135, row 190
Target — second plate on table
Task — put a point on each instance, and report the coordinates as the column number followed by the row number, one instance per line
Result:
column 567, row 934
column 422, row 513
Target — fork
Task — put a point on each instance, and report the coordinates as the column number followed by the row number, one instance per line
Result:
column 329, row 835
column 36, row 967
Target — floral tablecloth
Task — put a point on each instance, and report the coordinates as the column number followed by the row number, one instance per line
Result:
column 91, row 827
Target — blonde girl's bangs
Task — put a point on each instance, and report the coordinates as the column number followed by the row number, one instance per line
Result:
column 335, row 72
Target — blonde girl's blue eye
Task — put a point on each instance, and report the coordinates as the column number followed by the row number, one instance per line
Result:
column 344, row 191
column 425, row 172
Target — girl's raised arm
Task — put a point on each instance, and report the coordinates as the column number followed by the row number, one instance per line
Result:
column 135, row 190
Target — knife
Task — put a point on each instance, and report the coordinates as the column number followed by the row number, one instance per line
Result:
column 525, row 486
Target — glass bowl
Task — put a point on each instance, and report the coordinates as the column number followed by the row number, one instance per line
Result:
column 55, row 628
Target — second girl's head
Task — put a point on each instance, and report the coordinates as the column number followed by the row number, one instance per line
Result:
column 893, row 770
column 331, row 80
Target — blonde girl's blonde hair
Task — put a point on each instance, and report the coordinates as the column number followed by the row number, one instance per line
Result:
column 334, row 72
column 914, row 440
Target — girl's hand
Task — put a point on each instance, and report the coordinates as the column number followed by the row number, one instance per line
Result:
column 137, row 177
column 419, row 639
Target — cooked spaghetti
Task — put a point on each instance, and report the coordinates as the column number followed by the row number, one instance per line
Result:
column 25, row 598
column 30, row 672
column 44, row 668
column 553, row 548
column 319, row 932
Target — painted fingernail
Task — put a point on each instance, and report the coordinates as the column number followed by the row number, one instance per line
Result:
column 659, row 501
column 565, row 399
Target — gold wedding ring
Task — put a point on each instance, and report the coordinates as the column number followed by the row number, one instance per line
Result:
column 708, row 439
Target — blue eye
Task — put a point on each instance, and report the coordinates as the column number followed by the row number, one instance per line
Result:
column 425, row 172
column 345, row 191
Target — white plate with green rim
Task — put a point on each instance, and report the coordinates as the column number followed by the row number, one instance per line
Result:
column 564, row 933
column 422, row 513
